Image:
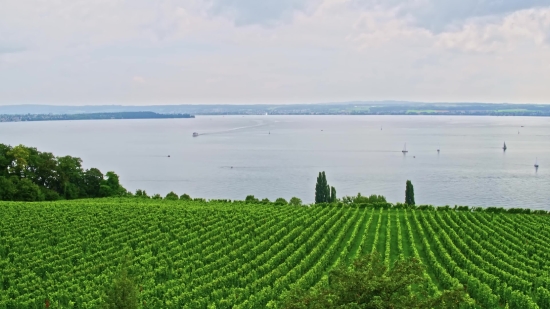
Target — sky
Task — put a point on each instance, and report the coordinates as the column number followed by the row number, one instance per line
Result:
column 137, row 52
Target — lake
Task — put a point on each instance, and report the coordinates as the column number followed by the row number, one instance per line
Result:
column 280, row 156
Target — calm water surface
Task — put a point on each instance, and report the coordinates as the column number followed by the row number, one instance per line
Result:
column 280, row 156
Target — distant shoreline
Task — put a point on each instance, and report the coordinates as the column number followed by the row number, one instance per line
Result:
column 90, row 116
column 56, row 112
column 116, row 116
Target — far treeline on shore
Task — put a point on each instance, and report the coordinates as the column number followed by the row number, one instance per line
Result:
column 339, row 108
column 29, row 175
column 90, row 116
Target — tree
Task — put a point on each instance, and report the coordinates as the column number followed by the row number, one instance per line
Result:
column 105, row 191
column 113, row 183
column 251, row 199
column 281, row 201
column 28, row 191
column 7, row 189
column 323, row 190
column 333, row 195
column 92, row 180
column 294, row 201
column 141, row 193
column 20, row 155
column 122, row 294
column 69, row 179
column 185, row 197
column 368, row 283
column 157, row 197
column 49, row 195
column 409, row 194
column 5, row 159
column 56, row 177
column 171, row 196
column 42, row 168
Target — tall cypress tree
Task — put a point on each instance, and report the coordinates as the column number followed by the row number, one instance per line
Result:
column 319, row 189
column 332, row 194
column 322, row 189
column 409, row 194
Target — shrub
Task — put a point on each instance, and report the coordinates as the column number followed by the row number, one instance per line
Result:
column 123, row 293
column 281, row 201
column 157, row 197
column 171, row 196
column 251, row 199
column 185, row 197
column 294, row 201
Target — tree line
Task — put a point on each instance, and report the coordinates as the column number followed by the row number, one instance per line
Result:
column 379, row 201
column 27, row 174
column 90, row 116
column 324, row 193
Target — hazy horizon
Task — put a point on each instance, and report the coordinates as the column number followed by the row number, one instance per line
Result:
column 273, row 52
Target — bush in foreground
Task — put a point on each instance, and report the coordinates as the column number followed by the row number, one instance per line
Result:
column 123, row 293
column 368, row 283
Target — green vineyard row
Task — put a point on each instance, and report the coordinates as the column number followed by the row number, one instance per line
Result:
column 198, row 254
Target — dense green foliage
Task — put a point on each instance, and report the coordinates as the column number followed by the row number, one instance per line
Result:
column 294, row 201
column 409, row 193
column 370, row 284
column 122, row 294
column 323, row 192
column 195, row 254
column 27, row 174
column 359, row 199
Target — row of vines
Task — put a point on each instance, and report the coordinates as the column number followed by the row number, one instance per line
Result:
column 198, row 254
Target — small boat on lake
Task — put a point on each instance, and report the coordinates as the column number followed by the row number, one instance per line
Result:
column 195, row 134
column 504, row 147
column 536, row 163
column 405, row 149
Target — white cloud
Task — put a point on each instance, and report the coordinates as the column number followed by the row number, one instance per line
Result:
column 529, row 26
column 209, row 51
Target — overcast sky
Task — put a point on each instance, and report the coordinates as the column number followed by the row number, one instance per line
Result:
column 273, row 51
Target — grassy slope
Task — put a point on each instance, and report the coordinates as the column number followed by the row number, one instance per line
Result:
column 188, row 254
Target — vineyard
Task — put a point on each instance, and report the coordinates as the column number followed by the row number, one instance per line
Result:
column 197, row 254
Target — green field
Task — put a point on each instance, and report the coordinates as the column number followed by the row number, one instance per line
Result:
column 234, row 255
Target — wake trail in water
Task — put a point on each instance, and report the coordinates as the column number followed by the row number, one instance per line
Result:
column 233, row 129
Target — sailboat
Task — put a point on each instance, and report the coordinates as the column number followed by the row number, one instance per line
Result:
column 537, row 163
column 504, row 147
column 437, row 148
column 405, row 149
